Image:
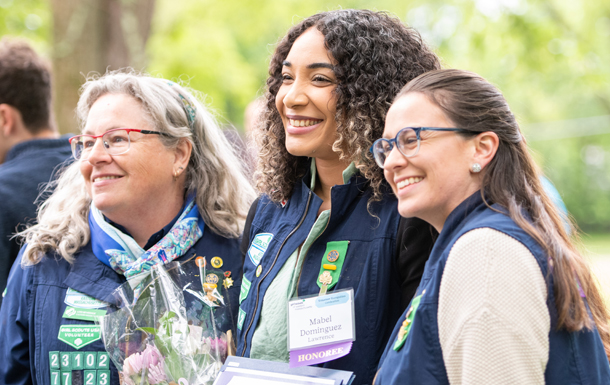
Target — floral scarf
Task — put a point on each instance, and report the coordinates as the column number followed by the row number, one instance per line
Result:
column 121, row 252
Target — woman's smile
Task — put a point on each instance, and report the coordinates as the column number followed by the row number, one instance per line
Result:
column 299, row 125
column 410, row 181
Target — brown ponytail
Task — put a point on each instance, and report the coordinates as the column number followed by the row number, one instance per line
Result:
column 512, row 180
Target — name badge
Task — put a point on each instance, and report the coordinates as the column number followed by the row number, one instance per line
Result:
column 320, row 328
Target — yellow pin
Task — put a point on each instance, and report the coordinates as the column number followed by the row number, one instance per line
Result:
column 228, row 282
column 216, row 262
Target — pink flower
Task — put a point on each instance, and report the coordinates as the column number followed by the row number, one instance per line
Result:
column 151, row 356
column 133, row 365
column 156, row 374
column 150, row 359
column 218, row 344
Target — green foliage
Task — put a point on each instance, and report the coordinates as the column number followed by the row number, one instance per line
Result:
column 30, row 19
column 547, row 56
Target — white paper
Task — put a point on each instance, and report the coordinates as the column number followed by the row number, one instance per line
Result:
column 321, row 320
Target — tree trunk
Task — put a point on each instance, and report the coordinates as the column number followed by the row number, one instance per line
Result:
column 94, row 36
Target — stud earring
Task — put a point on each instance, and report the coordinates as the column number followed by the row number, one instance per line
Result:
column 475, row 168
column 177, row 172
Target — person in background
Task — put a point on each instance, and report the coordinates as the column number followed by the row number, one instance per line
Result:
column 506, row 297
column 30, row 146
column 326, row 220
column 155, row 181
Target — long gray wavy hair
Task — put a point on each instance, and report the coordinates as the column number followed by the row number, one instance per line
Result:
column 215, row 171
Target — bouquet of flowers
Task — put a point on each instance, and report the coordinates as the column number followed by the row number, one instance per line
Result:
column 174, row 328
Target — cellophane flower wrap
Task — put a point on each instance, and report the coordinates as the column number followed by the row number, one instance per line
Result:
column 176, row 331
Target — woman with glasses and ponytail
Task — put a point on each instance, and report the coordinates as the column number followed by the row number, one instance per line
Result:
column 506, row 297
column 155, row 181
column 326, row 220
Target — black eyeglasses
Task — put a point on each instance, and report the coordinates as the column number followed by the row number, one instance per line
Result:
column 407, row 141
column 115, row 141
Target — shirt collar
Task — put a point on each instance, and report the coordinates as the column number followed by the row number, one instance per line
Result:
column 36, row 145
column 348, row 173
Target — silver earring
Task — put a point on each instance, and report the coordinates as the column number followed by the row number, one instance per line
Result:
column 475, row 168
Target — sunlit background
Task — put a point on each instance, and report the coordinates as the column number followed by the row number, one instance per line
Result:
column 550, row 58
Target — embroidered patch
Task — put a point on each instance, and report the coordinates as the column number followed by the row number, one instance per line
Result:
column 403, row 332
column 78, row 336
column 77, row 360
column 258, row 247
column 245, row 289
column 241, row 317
column 54, row 360
column 83, row 314
column 77, row 299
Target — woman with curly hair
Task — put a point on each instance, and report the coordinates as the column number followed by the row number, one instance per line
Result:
column 326, row 220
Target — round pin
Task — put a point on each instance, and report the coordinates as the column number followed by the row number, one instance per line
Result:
column 259, row 270
column 228, row 273
column 211, row 278
column 200, row 262
column 326, row 278
column 216, row 262
column 332, row 256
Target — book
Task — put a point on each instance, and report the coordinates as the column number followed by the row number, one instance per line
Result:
column 242, row 371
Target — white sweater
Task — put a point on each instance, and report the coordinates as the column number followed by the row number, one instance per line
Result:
column 492, row 316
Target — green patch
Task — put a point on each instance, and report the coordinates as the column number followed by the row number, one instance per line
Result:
column 78, row 336
column 405, row 328
column 241, row 317
column 245, row 289
column 332, row 264
column 83, row 314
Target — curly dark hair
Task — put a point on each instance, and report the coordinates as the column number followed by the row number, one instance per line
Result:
column 25, row 83
column 376, row 56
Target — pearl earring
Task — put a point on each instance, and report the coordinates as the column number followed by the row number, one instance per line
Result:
column 475, row 168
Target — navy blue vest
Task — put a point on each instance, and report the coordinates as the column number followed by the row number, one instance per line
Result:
column 31, row 314
column 574, row 358
column 369, row 267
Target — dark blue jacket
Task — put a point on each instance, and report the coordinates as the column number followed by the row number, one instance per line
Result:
column 372, row 266
column 27, row 166
column 31, row 315
column 574, row 358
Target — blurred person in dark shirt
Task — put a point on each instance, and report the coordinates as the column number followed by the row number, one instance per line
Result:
column 30, row 145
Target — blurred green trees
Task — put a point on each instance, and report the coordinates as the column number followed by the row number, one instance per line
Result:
column 548, row 57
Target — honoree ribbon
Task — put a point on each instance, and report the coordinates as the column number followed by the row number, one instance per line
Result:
column 121, row 252
column 319, row 354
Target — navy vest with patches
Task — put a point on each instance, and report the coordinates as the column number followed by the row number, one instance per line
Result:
column 31, row 314
column 574, row 358
column 369, row 266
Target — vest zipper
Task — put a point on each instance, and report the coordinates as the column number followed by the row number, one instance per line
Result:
column 314, row 241
column 258, row 286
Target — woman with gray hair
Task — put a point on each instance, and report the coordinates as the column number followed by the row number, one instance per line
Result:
column 163, row 184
